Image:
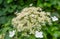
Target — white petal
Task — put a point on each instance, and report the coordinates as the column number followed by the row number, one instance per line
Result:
column 54, row 18
column 11, row 33
column 32, row 15
column 31, row 4
column 38, row 34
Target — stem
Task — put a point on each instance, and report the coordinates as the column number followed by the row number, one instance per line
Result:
column 38, row 2
column 16, row 34
column 54, row 37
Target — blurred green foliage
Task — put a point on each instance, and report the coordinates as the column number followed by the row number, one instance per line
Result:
column 9, row 7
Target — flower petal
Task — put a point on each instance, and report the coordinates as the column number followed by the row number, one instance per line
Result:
column 11, row 33
column 39, row 34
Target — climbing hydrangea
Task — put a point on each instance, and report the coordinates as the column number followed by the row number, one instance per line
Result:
column 31, row 19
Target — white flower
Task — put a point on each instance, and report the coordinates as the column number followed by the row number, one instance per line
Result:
column 11, row 33
column 54, row 18
column 31, row 4
column 38, row 34
column 32, row 15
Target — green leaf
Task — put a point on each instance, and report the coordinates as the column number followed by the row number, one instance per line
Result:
column 45, row 35
column 7, row 36
column 57, row 34
column 4, row 30
column 39, row 3
column 3, row 20
column 12, row 8
column 9, row 1
column 21, row 2
column 53, row 2
column 2, row 12
column 54, row 29
column 47, row 4
column 1, row 1
column 32, row 37
column 58, row 7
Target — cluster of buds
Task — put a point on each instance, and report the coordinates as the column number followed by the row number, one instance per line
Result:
column 31, row 19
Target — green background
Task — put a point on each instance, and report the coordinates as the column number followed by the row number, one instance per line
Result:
column 9, row 7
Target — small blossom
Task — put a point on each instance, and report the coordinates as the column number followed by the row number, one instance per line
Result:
column 32, row 15
column 31, row 4
column 48, row 13
column 54, row 18
column 39, row 34
column 11, row 33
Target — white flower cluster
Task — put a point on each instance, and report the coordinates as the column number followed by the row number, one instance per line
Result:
column 31, row 19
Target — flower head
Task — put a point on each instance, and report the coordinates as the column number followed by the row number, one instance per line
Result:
column 31, row 19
